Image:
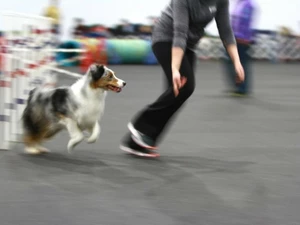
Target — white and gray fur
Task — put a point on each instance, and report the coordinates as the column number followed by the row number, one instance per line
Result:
column 76, row 108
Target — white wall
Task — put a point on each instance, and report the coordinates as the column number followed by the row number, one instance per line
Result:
column 273, row 13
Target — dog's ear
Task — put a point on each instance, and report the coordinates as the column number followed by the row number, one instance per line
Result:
column 97, row 71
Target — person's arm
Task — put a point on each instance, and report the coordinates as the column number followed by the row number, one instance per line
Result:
column 180, row 27
column 233, row 53
column 225, row 30
column 227, row 37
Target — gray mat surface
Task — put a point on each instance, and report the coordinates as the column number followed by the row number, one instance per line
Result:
column 226, row 161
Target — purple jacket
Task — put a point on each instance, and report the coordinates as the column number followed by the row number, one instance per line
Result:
column 242, row 18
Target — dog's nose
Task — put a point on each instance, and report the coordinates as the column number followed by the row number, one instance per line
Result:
column 124, row 83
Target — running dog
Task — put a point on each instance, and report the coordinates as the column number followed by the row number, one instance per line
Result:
column 76, row 108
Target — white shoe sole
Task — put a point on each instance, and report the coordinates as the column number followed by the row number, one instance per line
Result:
column 137, row 137
column 131, row 151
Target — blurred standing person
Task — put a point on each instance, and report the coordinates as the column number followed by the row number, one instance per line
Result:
column 52, row 11
column 174, row 40
column 79, row 29
column 242, row 19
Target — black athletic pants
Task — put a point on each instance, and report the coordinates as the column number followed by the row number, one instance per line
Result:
column 154, row 118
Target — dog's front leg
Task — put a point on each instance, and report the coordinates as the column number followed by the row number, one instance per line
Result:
column 75, row 133
column 95, row 132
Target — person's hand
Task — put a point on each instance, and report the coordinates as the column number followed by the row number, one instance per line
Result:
column 178, row 81
column 240, row 74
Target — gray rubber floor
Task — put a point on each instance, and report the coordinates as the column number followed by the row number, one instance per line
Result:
column 226, row 161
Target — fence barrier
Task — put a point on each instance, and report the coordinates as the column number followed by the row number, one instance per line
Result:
column 268, row 45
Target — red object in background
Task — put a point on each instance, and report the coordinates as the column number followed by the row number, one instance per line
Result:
column 86, row 61
column 99, row 29
column 2, row 50
column 101, row 57
column 98, row 56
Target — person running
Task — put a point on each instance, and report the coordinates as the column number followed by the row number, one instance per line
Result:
column 174, row 39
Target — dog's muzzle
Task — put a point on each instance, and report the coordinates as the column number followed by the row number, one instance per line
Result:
column 115, row 88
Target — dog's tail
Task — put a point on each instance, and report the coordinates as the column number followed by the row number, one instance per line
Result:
column 31, row 120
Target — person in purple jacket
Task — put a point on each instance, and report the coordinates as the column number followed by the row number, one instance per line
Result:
column 242, row 18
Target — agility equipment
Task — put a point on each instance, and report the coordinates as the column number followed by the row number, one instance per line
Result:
column 129, row 51
column 74, row 55
column 110, row 51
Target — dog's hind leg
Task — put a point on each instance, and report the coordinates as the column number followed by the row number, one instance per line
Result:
column 33, row 140
column 31, row 145
column 32, row 150
column 36, row 149
column 42, row 149
column 95, row 132
column 76, row 135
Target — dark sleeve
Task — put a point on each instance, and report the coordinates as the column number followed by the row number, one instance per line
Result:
column 180, row 23
column 223, row 23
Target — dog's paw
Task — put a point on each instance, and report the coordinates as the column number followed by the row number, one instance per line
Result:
column 32, row 151
column 70, row 149
column 43, row 149
column 91, row 139
column 73, row 142
column 71, row 146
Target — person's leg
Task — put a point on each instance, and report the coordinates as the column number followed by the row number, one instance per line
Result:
column 152, row 120
column 191, row 58
column 245, row 87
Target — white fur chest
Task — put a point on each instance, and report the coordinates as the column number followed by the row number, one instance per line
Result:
column 91, row 110
column 91, row 104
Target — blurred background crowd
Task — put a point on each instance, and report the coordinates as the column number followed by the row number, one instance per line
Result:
column 124, row 27
column 108, row 35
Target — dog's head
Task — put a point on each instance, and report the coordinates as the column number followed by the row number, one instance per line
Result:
column 104, row 78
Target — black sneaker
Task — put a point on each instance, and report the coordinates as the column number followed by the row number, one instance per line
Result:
column 129, row 146
column 141, row 139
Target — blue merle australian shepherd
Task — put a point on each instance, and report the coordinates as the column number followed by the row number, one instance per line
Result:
column 76, row 108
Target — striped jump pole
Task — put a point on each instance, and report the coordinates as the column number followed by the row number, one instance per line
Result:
column 27, row 51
